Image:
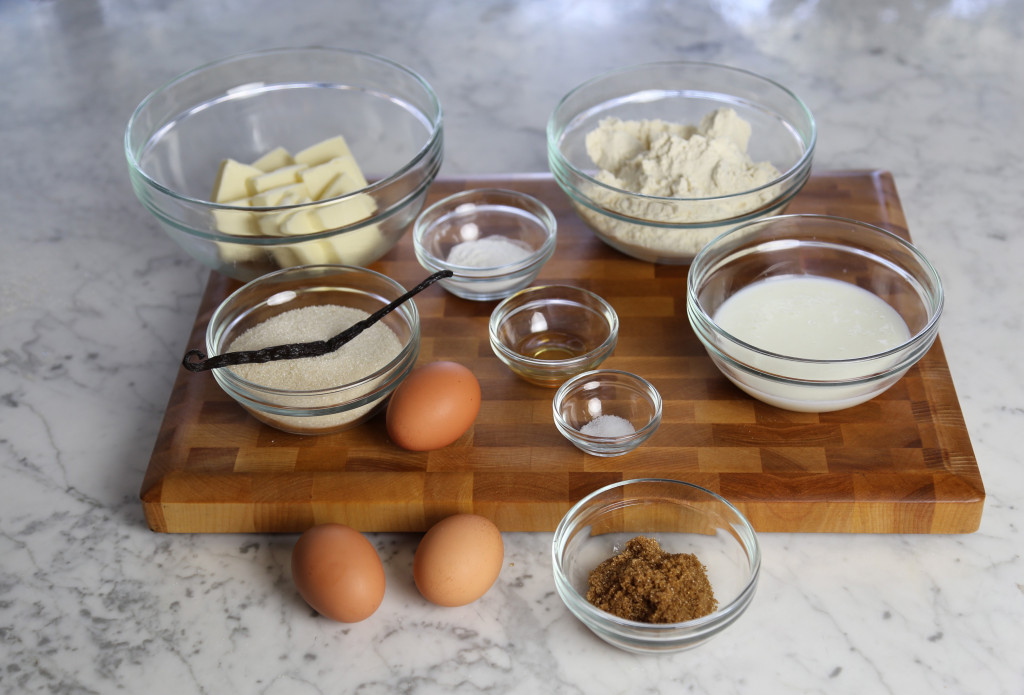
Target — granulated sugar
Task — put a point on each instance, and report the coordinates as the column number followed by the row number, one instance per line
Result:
column 365, row 354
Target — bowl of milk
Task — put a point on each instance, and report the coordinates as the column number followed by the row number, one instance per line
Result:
column 813, row 313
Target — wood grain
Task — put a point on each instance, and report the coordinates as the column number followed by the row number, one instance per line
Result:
column 902, row 463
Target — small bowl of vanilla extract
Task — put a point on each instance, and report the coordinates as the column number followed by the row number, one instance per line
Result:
column 550, row 333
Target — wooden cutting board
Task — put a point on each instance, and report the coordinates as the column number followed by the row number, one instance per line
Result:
column 902, row 463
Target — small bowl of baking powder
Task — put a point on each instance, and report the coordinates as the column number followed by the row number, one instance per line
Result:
column 495, row 241
column 607, row 412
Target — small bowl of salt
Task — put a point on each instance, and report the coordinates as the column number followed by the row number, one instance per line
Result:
column 607, row 412
column 495, row 241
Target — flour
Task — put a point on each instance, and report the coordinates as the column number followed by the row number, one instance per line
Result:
column 669, row 161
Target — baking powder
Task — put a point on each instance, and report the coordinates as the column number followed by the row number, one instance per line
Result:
column 488, row 252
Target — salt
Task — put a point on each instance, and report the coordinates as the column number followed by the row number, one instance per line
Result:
column 608, row 426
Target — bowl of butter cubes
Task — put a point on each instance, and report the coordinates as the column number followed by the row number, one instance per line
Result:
column 287, row 157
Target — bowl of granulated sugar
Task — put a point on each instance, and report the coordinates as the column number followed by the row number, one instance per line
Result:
column 495, row 241
column 607, row 412
column 329, row 392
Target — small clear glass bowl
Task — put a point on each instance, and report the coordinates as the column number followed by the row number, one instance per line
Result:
column 549, row 333
column 819, row 246
column 494, row 214
column 683, row 518
column 607, row 393
column 334, row 407
column 243, row 107
column 666, row 229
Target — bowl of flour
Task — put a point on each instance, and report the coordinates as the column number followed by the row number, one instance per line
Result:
column 659, row 159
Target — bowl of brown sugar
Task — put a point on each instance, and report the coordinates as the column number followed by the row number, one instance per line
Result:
column 655, row 565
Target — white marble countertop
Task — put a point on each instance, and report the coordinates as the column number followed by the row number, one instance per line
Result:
column 95, row 304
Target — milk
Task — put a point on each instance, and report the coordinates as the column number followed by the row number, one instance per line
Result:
column 828, row 325
column 812, row 318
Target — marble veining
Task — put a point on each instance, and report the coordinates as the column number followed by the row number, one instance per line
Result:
column 95, row 304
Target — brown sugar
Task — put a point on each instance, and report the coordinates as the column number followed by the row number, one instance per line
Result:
column 646, row 584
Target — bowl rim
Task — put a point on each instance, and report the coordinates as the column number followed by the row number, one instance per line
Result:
column 919, row 341
column 660, row 631
column 246, row 388
column 432, row 141
column 501, row 311
column 554, row 138
column 633, row 438
column 463, row 273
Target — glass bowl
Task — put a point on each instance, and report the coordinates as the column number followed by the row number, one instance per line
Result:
column 548, row 333
column 867, row 309
column 495, row 241
column 607, row 412
column 655, row 223
column 683, row 518
column 248, row 106
column 324, row 396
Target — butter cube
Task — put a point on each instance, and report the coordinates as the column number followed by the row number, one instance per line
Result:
column 289, row 194
column 323, row 151
column 230, row 183
column 349, row 180
column 264, row 181
column 317, row 178
column 275, row 159
column 270, row 223
column 338, row 186
column 346, row 211
column 314, row 252
column 359, row 246
column 237, row 222
column 285, row 257
column 300, row 223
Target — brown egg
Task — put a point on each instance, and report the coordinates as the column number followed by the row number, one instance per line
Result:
column 338, row 572
column 433, row 407
column 458, row 560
